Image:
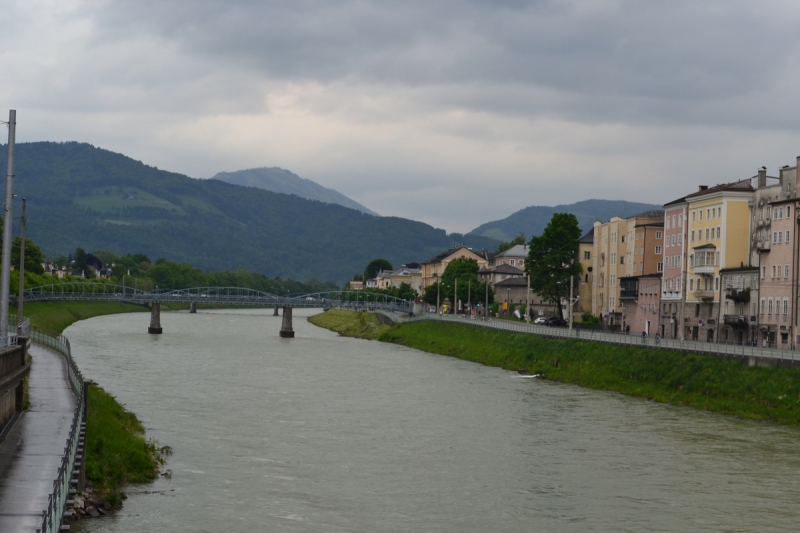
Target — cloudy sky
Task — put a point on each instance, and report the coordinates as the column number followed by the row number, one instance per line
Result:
column 454, row 113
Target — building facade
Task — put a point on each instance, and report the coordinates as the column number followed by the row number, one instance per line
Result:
column 674, row 273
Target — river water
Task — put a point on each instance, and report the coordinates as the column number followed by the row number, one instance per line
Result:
column 325, row 433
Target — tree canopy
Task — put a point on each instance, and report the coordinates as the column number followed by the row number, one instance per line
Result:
column 375, row 266
column 465, row 270
column 553, row 258
column 33, row 256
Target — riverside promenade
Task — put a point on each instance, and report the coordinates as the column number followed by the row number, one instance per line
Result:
column 32, row 452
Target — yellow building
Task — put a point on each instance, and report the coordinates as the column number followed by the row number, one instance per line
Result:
column 718, row 237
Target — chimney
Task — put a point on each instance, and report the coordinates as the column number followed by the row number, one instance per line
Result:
column 762, row 178
column 703, row 187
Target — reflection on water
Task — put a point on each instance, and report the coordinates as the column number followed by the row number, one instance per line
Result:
column 324, row 433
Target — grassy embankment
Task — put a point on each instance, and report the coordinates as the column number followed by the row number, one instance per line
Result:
column 678, row 378
column 350, row 324
column 117, row 451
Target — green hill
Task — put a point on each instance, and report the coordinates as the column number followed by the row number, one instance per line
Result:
column 532, row 220
column 79, row 195
column 280, row 180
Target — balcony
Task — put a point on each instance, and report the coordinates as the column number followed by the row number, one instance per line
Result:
column 703, row 269
column 736, row 321
column 628, row 295
column 703, row 295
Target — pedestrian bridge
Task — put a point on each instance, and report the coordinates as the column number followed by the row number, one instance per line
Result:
column 238, row 296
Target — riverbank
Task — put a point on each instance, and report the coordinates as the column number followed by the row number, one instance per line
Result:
column 699, row 381
column 117, row 451
column 361, row 325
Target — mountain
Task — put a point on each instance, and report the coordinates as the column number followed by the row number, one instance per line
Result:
column 280, row 180
column 532, row 220
column 79, row 195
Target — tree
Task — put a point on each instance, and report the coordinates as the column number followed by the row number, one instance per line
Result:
column 464, row 270
column 519, row 239
column 33, row 256
column 375, row 266
column 553, row 259
column 405, row 292
column 81, row 262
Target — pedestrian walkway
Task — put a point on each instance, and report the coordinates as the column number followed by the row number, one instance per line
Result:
column 31, row 453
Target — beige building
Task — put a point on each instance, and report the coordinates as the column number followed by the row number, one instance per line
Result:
column 433, row 269
column 718, row 220
column 624, row 247
column 410, row 274
column 586, row 258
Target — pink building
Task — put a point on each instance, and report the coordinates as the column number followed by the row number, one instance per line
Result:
column 778, row 286
column 640, row 297
column 674, row 274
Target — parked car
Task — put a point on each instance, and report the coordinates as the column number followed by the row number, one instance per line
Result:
column 555, row 322
column 541, row 320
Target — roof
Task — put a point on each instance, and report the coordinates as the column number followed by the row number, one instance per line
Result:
column 518, row 281
column 674, row 202
column 739, row 269
column 507, row 269
column 738, row 186
column 653, row 213
column 518, row 250
column 588, row 238
column 484, row 254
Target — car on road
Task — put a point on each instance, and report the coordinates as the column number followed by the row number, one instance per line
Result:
column 541, row 320
column 555, row 322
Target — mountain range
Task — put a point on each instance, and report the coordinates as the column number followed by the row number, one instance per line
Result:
column 532, row 220
column 82, row 196
column 279, row 180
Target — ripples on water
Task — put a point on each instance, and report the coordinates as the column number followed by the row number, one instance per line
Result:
column 324, row 433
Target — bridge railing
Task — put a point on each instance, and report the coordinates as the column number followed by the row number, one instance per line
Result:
column 53, row 515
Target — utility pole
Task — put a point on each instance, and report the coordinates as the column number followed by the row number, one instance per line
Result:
column 469, row 301
column 528, row 300
column 5, row 278
column 571, row 279
column 455, row 299
column 21, row 269
column 438, row 290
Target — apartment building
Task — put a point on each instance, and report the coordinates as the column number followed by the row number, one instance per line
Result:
column 623, row 247
column 674, row 273
column 774, row 251
column 585, row 256
column 740, row 307
column 718, row 226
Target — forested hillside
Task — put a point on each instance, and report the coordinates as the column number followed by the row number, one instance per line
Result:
column 82, row 196
column 281, row 180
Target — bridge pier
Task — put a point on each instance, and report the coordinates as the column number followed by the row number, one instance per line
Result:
column 193, row 307
column 155, row 318
column 275, row 313
column 286, row 328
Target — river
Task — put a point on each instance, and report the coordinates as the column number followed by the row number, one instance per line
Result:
column 325, row 433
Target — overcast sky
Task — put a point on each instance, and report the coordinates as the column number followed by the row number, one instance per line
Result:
column 453, row 113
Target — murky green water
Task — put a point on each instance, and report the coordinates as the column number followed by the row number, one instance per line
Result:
column 323, row 433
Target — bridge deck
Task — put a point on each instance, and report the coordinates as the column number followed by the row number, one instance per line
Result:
column 31, row 453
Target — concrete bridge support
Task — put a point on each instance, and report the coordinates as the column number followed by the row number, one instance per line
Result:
column 155, row 318
column 275, row 313
column 286, row 328
column 193, row 307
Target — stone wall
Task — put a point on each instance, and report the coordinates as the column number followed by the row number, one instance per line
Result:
column 14, row 366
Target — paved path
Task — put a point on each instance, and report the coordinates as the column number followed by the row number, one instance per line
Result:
column 31, row 453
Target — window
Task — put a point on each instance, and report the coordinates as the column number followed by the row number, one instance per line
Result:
column 613, row 238
column 658, row 249
column 787, row 235
column 692, row 235
column 623, row 238
column 773, row 271
column 691, row 284
column 611, row 302
column 769, row 306
column 512, row 262
column 719, row 231
column 658, row 235
column 788, row 211
column 716, row 284
column 774, row 237
column 666, row 223
column 786, row 306
column 612, row 281
column 701, row 215
column 719, row 212
column 680, row 220
column 693, row 213
column 660, row 267
column 761, row 309
column 785, row 271
column 613, row 259
column 706, row 233
column 587, row 255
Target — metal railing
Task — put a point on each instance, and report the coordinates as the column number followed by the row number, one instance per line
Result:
column 711, row 348
column 57, row 501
